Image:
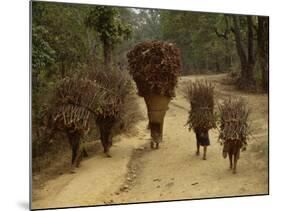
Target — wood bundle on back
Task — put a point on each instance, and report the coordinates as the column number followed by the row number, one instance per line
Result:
column 234, row 120
column 115, row 86
column 75, row 100
column 155, row 66
column 201, row 98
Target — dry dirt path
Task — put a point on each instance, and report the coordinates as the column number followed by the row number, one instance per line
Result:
column 138, row 174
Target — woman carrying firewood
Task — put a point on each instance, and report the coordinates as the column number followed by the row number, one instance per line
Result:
column 155, row 67
column 201, row 116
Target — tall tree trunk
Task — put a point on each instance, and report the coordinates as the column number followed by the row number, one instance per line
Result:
column 247, row 62
column 263, row 39
column 238, row 41
column 107, row 51
column 251, row 57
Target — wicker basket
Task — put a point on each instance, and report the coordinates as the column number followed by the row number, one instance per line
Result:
column 157, row 105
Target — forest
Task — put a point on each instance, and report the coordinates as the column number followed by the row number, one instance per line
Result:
column 73, row 40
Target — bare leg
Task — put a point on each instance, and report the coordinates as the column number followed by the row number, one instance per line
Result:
column 105, row 125
column 235, row 163
column 152, row 145
column 157, row 145
column 107, row 154
column 236, row 157
column 148, row 126
column 198, row 148
column 85, row 153
column 78, row 158
column 205, row 151
column 224, row 151
column 155, row 129
column 230, row 160
column 73, row 155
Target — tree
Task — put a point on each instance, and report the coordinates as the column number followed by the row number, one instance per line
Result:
column 42, row 53
column 111, row 30
column 194, row 34
column 247, row 56
column 65, row 33
column 263, row 39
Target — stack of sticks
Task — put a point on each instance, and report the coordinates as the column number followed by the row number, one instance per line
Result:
column 76, row 98
column 201, row 97
column 234, row 120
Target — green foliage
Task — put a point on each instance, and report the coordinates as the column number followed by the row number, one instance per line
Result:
column 106, row 21
column 42, row 53
column 147, row 25
column 65, row 33
column 200, row 47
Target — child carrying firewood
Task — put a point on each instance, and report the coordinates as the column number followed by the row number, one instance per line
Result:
column 201, row 115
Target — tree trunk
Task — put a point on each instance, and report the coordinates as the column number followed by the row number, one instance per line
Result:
column 247, row 62
column 218, row 69
column 251, row 57
column 107, row 51
column 263, row 36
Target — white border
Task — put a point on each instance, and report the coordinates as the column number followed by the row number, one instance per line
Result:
column 14, row 111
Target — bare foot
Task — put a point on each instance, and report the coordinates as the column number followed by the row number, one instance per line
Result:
column 197, row 153
column 108, row 155
column 157, row 145
column 72, row 170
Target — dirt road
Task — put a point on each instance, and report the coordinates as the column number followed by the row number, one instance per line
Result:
column 137, row 174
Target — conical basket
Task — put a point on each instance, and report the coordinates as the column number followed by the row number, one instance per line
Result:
column 157, row 105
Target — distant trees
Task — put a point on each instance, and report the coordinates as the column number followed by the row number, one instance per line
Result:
column 263, row 48
column 202, row 50
column 109, row 27
column 218, row 42
column 251, row 40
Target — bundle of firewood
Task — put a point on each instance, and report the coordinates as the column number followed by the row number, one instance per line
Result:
column 201, row 97
column 73, row 117
column 116, row 85
column 234, row 116
column 155, row 67
column 75, row 100
column 78, row 91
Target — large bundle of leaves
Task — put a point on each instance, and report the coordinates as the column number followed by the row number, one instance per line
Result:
column 234, row 116
column 201, row 98
column 155, row 67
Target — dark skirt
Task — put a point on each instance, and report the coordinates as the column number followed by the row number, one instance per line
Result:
column 203, row 138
